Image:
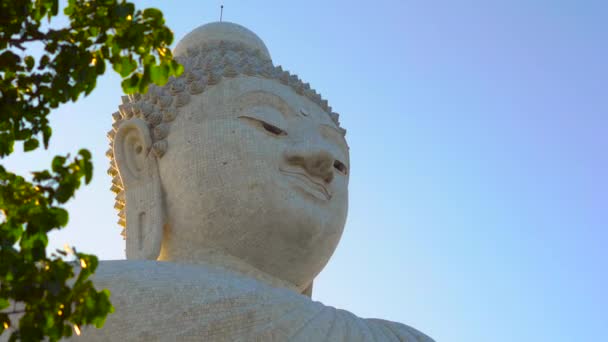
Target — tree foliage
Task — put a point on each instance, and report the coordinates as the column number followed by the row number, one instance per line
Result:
column 44, row 295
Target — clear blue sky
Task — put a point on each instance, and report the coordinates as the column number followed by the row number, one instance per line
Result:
column 479, row 138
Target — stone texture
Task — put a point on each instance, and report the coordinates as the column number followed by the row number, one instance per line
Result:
column 232, row 186
column 217, row 32
column 162, row 301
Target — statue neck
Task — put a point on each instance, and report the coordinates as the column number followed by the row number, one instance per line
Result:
column 211, row 257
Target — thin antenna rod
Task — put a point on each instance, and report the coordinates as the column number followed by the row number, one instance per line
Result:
column 221, row 12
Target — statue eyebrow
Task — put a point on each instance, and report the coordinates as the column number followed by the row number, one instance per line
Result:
column 261, row 98
column 340, row 133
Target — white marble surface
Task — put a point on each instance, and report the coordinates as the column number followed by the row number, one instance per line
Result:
column 162, row 301
column 233, row 182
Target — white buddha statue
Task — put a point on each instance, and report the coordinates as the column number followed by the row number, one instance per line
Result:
column 232, row 186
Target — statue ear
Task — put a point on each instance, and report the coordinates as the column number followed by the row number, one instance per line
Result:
column 138, row 169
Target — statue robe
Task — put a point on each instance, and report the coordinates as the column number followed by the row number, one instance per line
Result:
column 161, row 301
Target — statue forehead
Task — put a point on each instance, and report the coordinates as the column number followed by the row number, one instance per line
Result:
column 243, row 92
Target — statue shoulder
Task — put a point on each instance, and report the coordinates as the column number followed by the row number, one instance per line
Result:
column 142, row 282
column 168, row 301
column 402, row 331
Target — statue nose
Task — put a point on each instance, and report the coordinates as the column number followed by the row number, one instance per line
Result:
column 317, row 162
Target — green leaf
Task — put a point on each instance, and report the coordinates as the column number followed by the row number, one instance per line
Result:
column 123, row 10
column 8, row 58
column 69, row 10
column 6, row 144
column 176, row 68
column 64, row 192
column 85, row 154
column 153, row 13
column 125, row 66
column 4, row 303
column 159, row 74
column 129, row 85
column 44, row 61
column 57, row 164
column 46, row 135
column 29, row 62
column 86, row 165
column 61, row 216
column 30, row 144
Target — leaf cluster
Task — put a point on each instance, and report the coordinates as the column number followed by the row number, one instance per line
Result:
column 134, row 42
column 45, row 296
column 48, row 305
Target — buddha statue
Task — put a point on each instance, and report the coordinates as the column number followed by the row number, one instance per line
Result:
column 232, row 187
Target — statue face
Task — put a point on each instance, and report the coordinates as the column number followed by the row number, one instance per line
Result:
column 259, row 172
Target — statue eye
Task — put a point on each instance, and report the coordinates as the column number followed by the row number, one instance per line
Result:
column 273, row 129
column 338, row 165
column 261, row 124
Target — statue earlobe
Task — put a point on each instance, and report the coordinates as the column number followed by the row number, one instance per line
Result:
column 138, row 169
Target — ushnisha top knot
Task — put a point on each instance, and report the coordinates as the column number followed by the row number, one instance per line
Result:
column 221, row 31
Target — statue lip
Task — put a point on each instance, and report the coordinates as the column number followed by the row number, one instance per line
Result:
column 312, row 186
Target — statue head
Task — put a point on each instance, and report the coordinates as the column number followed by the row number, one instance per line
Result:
column 236, row 156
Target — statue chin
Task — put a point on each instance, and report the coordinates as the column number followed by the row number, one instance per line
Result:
column 285, row 243
column 232, row 186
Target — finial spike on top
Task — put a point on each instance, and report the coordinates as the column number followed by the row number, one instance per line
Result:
column 221, row 12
